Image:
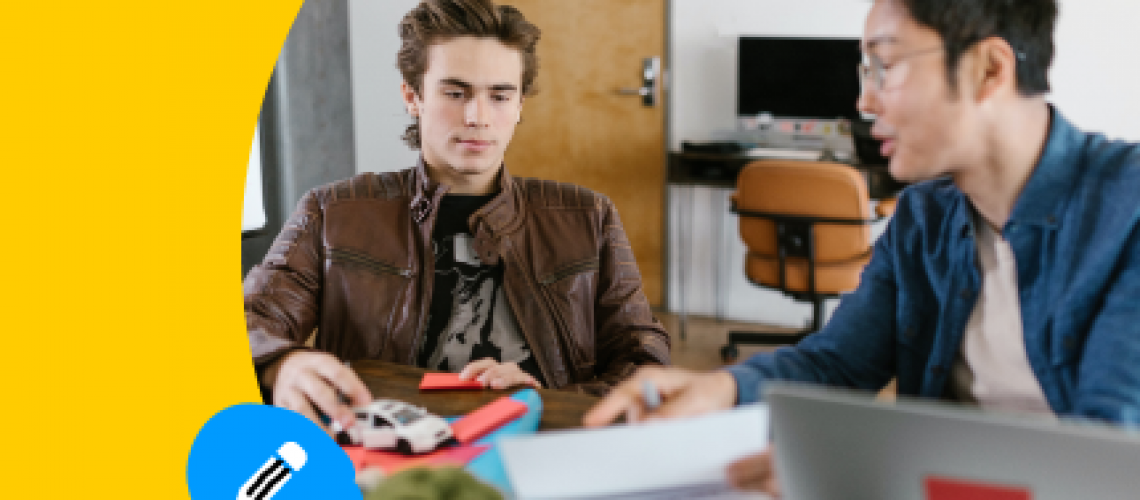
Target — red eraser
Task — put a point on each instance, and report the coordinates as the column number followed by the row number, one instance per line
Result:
column 942, row 488
column 486, row 419
column 437, row 381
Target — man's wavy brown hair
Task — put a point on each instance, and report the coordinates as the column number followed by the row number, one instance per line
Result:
column 437, row 21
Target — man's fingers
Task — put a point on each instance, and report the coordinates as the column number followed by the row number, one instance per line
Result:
column 485, row 374
column 294, row 400
column 749, row 473
column 772, row 482
column 497, row 382
column 503, row 376
column 755, row 473
column 669, row 382
column 325, row 398
column 343, row 379
column 358, row 393
column 312, row 383
column 475, row 369
column 772, row 487
column 684, row 405
column 632, row 414
column 618, row 402
column 506, row 375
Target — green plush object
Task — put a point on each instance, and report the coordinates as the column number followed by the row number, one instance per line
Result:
column 439, row 483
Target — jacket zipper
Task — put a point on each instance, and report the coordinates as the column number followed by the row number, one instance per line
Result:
column 570, row 270
column 427, row 280
column 358, row 259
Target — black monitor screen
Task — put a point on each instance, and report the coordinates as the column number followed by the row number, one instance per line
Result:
column 798, row 77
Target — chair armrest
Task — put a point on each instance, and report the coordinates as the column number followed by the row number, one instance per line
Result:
column 886, row 207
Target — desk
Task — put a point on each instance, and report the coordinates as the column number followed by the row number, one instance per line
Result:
column 720, row 170
column 560, row 409
column 686, row 169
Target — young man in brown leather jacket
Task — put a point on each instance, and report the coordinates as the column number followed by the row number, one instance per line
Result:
column 453, row 264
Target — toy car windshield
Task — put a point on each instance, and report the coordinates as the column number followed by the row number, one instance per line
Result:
column 406, row 416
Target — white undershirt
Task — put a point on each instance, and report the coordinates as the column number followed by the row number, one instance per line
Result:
column 992, row 369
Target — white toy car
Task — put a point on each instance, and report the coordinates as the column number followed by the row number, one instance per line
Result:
column 388, row 424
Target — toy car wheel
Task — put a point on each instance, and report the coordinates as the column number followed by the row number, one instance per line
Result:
column 404, row 447
column 343, row 439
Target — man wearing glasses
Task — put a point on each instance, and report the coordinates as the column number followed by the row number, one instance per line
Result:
column 1010, row 274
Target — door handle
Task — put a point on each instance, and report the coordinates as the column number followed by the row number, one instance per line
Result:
column 650, row 76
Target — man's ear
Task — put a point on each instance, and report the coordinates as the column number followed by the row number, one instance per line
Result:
column 411, row 101
column 995, row 68
column 518, row 118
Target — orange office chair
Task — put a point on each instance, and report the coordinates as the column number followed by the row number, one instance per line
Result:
column 886, row 207
column 806, row 226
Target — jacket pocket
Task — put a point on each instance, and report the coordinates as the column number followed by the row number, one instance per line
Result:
column 570, row 269
column 571, row 289
column 366, row 302
column 362, row 261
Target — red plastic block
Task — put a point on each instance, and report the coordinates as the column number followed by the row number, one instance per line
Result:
column 941, row 488
column 486, row 419
column 438, row 381
column 390, row 461
column 358, row 455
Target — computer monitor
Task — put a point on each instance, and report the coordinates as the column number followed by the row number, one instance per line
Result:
column 798, row 77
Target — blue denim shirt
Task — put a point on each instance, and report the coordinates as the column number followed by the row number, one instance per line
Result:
column 1074, row 232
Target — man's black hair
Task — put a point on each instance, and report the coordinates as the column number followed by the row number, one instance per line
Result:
column 1027, row 25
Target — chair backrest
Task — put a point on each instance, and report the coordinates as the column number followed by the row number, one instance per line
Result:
column 806, row 189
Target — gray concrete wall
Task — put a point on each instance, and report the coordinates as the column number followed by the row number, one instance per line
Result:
column 307, row 128
column 315, row 99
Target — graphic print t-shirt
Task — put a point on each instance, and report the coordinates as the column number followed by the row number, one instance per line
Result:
column 469, row 318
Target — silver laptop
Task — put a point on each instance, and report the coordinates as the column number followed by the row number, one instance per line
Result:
column 839, row 445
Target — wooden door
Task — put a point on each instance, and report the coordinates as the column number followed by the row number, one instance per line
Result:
column 580, row 129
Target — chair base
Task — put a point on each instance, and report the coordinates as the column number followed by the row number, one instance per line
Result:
column 729, row 352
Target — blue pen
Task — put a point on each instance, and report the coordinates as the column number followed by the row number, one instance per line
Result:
column 649, row 395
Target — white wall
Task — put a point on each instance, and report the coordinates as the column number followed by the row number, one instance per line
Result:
column 1095, row 77
column 703, row 45
column 703, row 106
column 379, row 117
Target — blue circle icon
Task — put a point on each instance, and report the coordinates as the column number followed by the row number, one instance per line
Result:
column 259, row 452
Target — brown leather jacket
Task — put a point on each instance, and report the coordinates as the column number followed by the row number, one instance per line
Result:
column 350, row 263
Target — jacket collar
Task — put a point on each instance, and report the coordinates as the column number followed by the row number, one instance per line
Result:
column 1048, row 188
column 1052, row 182
column 501, row 215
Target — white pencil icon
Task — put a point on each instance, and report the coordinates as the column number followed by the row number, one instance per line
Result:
column 264, row 483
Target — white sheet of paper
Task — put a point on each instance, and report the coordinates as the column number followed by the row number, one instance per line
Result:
column 683, row 458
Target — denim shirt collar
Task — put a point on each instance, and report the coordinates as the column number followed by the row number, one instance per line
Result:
column 1047, row 191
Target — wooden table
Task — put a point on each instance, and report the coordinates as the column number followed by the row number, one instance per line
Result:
column 560, row 409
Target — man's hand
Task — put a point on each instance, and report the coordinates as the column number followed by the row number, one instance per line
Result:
column 497, row 375
column 755, row 473
column 308, row 381
column 683, row 393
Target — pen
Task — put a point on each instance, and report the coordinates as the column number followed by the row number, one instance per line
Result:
column 649, row 395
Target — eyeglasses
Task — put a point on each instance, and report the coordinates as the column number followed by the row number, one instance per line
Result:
column 875, row 73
